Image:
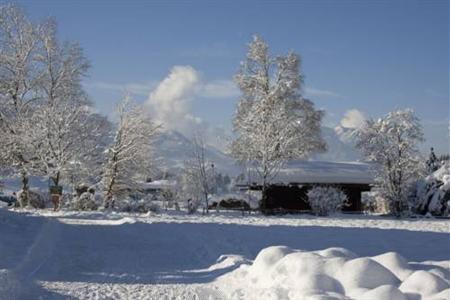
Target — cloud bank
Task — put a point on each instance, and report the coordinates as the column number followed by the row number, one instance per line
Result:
column 170, row 102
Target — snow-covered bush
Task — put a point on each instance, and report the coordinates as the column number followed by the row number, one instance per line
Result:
column 142, row 205
column 86, row 201
column 373, row 202
column 36, row 199
column 168, row 197
column 432, row 193
column 249, row 199
column 326, row 199
column 193, row 205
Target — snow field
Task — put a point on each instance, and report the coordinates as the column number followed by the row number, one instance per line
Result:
column 172, row 255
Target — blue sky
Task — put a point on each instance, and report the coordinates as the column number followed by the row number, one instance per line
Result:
column 373, row 56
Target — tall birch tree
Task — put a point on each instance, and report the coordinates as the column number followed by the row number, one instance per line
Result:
column 274, row 123
column 19, row 74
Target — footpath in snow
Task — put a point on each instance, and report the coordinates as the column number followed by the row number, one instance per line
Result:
column 70, row 255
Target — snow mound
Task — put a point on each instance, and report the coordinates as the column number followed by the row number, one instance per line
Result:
column 383, row 292
column 394, row 262
column 365, row 273
column 424, row 283
column 279, row 272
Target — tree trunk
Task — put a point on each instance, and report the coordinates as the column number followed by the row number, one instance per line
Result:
column 109, row 203
column 56, row 198
column 25, row 195
column 56, row 179
column 397, row 208
column 264, row 198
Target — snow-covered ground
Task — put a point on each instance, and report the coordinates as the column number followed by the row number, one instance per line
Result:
column 172, row 255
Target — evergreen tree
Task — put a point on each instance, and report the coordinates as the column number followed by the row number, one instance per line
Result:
column 432, row 163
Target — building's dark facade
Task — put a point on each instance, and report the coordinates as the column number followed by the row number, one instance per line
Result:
column 290, row 187
column 293, row 197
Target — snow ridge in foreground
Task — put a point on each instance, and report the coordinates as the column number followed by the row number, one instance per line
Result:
column 279, row 272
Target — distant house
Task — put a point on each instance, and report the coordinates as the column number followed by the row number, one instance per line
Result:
column 290, row 187
column 157, row 186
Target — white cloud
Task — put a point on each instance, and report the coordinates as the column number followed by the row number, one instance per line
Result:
column 313, row 92
column 353, row 118
column 170, row 102
column 214, row 89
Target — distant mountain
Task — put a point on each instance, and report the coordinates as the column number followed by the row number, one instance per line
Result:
column 340, row 142
column 174, row 149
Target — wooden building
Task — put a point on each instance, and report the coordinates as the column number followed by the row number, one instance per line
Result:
column 290, row 187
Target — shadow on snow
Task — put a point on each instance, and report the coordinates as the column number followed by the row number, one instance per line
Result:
column 163, row 253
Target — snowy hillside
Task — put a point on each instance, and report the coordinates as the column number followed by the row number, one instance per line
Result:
column 175, row 148
column 340, row 145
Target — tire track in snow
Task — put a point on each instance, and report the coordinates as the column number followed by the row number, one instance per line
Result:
column 40, row 251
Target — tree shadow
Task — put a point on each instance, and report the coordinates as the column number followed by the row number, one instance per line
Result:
column 163, row 252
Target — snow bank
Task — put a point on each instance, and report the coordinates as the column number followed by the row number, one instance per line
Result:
column 279, row 272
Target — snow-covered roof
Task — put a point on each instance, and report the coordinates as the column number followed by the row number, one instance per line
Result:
column 325, row 172
column 159, row 184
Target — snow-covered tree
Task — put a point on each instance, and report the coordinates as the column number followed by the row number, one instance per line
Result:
column 46, row 122
column 67, row 132
column 198, row 173
column 130, row 157
column 326, row 199
column 19, row 74
column 431, row 194
column 391, row 142
column 273, row 122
